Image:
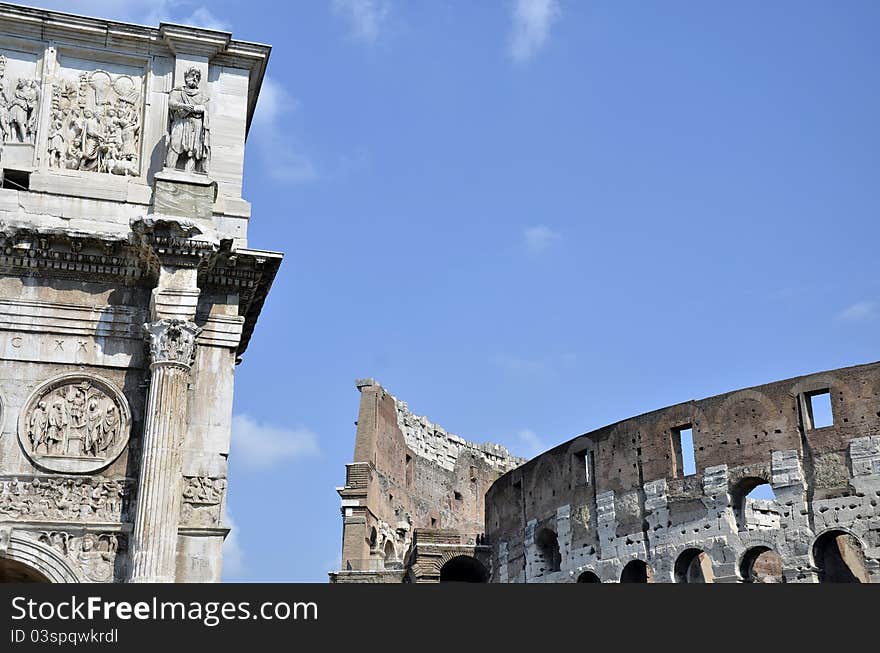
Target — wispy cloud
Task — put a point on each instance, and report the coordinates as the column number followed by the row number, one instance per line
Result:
column 532, row 20
column 282, row 155
column 530, row 445
column 202, row 17
column 233, row 554
column 539, row 238
column 260, row 446
column 366, row 18
column 858, row 312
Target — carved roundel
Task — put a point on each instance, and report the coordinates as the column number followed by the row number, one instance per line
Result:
column 74, row 423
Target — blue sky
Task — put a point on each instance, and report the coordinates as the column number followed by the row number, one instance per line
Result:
column 529, row 219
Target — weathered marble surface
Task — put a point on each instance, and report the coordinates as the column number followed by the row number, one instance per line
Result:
column 127, row 292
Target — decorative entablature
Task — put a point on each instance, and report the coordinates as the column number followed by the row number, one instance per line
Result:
column 68, row 255
column 248, row 272
column 135, row 261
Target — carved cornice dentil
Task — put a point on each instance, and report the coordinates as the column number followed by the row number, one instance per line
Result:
column 172, row 342
column 27, row 251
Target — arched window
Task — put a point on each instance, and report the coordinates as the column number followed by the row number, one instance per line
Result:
column 12, row 571
column 840, row 559
column 463, row 569
column 588, row 577
column 754, row 505
column 373, row 536
column 637, row 571
column 761, row 564
column 694, row 566
column 548, row 550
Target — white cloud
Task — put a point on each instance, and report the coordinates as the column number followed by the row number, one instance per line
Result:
column 281, row 154
column 366, row 18
column 539, row 237
column 529, row 443
column 532, row 20
column 233, row 554
column 261, row 445
column 202, row 17
column 858, row 312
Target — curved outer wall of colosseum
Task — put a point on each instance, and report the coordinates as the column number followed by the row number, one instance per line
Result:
column 616, row 504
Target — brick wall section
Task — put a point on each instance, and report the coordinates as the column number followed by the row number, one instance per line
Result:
column 409, row 473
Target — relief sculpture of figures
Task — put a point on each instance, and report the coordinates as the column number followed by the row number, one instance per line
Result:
column 80, row 421
column 74, row 422
column 95, row 124
column 62, row 499
column 189, row 143
column 95, row 555
column 19, row 105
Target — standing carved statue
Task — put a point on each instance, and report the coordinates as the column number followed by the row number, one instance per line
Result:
column 190, row 138
column 55, row 434
column 37, row 427
column 92, row 135
column 23, row 110
column 56, row 143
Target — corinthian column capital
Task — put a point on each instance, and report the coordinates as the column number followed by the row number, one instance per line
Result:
column 172, row 342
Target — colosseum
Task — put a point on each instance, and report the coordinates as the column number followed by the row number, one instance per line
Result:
column 668, row 496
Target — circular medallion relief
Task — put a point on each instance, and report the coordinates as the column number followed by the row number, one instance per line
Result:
column 74, row 423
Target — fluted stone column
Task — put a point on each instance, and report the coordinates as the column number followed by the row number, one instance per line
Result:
column 172, row 345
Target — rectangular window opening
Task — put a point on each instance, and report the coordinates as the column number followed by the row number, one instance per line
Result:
column 819, row 409
column 16, row 179
column 588, row 464
column 684, row 462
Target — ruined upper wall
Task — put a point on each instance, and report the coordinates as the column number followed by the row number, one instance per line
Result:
column 409, row 473
column 86, row 106
column 432, row 442
column 619, row 493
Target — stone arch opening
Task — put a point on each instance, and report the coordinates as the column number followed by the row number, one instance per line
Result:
column 637, row 571
column 754, row 505
column 463, row 569
column 588, row 577
column 13, row 571
column 373, row 538
column 694, row 566
column 761, row 564
column 548, row 549
column 839, row 558
column 389, row 552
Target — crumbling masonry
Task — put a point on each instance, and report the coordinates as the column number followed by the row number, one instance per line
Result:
column 620, row 504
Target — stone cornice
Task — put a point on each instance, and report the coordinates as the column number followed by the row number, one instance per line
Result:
column 134, row 261
column 255, row 271
column 68, row 255
column 194, row 40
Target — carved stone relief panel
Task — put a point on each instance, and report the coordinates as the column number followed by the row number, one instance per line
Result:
column 96, row 118
column 19, row 105
column 74, row 423
column 59, row 498
column 93, row 554
column 202, row 501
